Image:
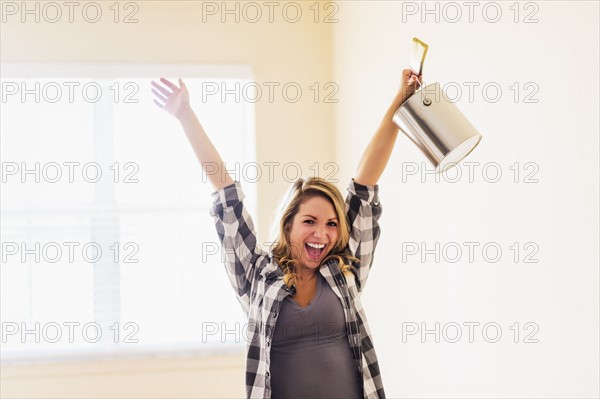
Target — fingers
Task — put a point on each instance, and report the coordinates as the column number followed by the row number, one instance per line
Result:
column 169, row 84
column 409, row 76
column 164, row 91
column 160, row 97
column 415, row 79
column 158, row 104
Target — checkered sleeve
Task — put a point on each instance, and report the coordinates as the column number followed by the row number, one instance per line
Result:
column 363, row 210
column 238, row 240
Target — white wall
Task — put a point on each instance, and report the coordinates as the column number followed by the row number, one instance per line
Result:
column 559, row 133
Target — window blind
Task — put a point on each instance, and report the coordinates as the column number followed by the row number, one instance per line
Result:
column 108, row 248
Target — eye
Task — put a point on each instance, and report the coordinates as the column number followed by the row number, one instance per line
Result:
column 333, row 224
column 309, row 221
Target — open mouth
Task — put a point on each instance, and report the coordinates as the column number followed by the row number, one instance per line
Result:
column 314, row 250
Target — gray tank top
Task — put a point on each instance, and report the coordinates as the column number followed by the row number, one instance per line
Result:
column 310, row 353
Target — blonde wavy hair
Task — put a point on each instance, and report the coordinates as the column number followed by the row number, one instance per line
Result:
column 299, row 192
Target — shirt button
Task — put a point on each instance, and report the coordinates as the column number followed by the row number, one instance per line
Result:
column 268, row 343
column 267, row 374
column 274, row 314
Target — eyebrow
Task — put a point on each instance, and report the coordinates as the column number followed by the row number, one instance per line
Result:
column 315, row 217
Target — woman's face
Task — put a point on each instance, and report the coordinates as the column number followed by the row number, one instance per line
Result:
column 314, row 231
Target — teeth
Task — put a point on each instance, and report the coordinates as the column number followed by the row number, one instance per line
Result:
column 318, row 246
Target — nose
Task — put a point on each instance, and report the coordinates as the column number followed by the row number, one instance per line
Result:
column 319, row 231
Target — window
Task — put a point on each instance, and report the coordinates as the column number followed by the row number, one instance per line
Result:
column 108, row 247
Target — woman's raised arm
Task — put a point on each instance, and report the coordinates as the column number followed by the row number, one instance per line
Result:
column 378, row 151
column 176, row 101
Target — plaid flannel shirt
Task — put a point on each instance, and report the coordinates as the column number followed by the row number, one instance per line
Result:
column 258, row 282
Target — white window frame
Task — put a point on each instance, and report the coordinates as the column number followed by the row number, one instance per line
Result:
column 24, row 70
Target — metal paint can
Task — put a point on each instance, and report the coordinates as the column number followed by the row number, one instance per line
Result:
column 437, row 127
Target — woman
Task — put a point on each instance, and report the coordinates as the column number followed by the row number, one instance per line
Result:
column 307, row 331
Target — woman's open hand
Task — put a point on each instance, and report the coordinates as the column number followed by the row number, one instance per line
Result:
column 175, row 100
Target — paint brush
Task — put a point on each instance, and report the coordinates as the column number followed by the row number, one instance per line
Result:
column 417, row 55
